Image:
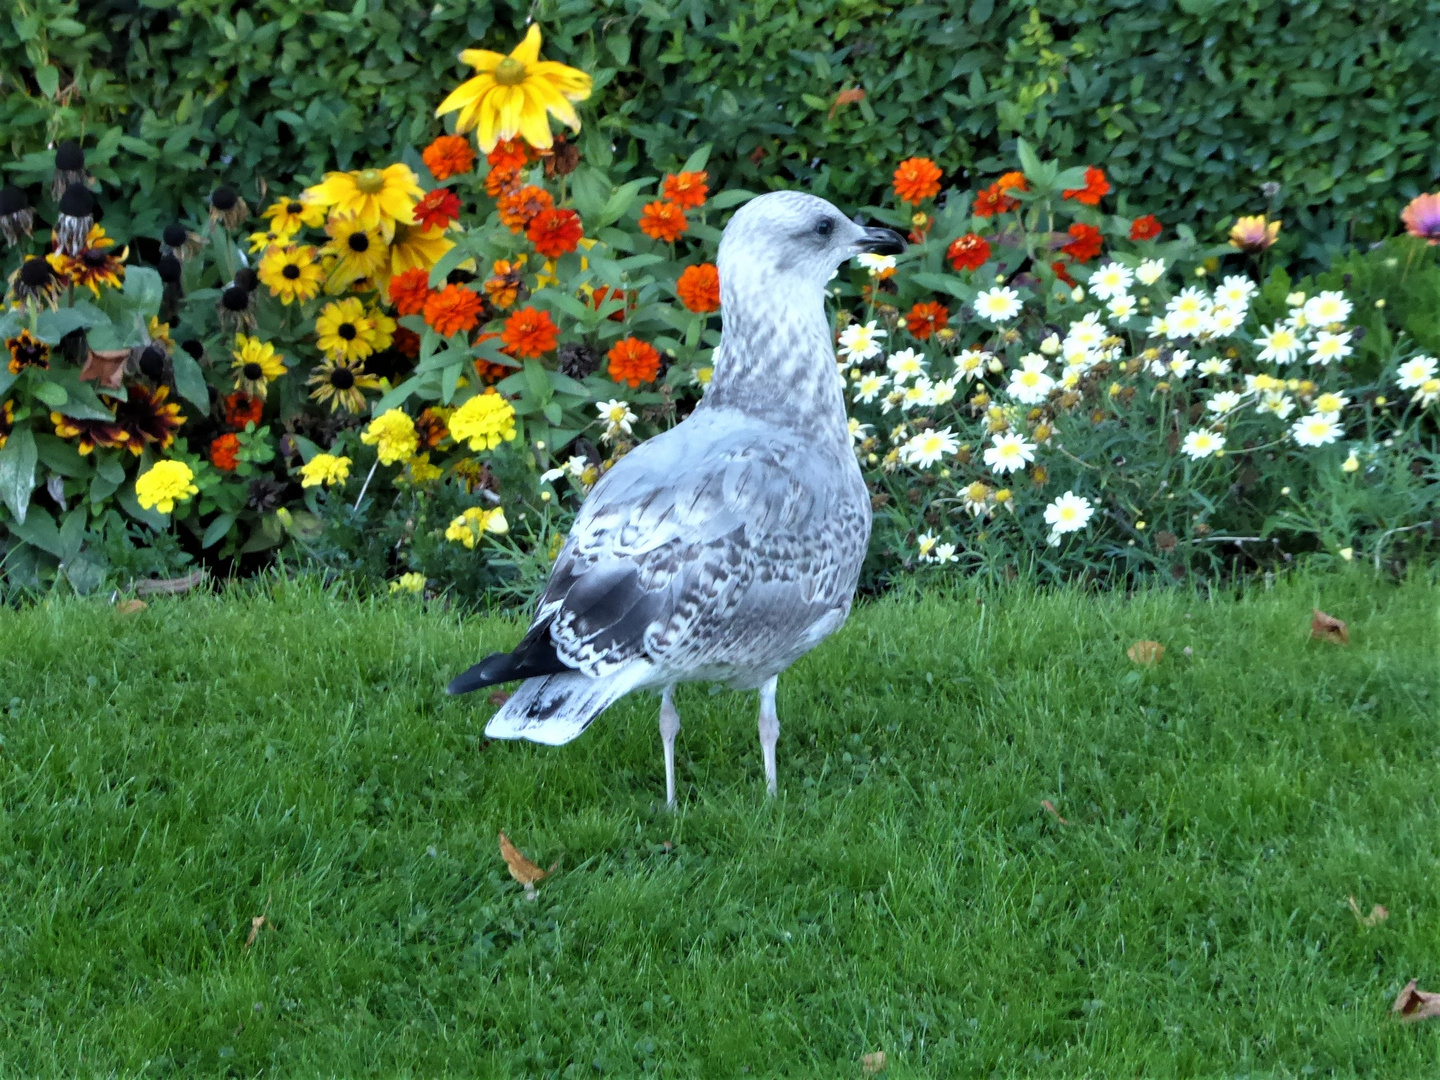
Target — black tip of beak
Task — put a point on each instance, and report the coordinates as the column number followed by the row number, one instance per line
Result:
column 880, row 241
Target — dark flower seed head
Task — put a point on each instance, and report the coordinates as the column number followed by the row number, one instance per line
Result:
column 252, row 371
column 342, row 378
column 346, row 330
column 12, row 200
column 69, row 157
column 290, row 272
column 224, row 198
column 152, row 362
column 94, row 258
column 169, row 268
column 175, row 234
column 193, row 347
column 235, row 298
column 359, row 242
column 294, row 207
column 36, row 273
column 247, row 279
column 77, row 202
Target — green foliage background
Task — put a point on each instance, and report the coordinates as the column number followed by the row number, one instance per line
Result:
column 1191, row 105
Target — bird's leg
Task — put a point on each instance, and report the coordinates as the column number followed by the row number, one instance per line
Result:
column 769, row 732
column 669, row 728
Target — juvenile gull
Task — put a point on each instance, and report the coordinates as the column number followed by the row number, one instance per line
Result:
column 728, row 547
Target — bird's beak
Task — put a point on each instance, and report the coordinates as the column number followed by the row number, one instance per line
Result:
column 878, row 241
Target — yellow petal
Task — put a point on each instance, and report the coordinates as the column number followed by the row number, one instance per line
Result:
column 553, row 100
column 397, row 205
column 465, row 94
column 534, row 124
column 572, row 82
column 487, row 113
column 336, row 187
column 401, row 175
column 528, row 51
column 510, row 104
column 481, row 59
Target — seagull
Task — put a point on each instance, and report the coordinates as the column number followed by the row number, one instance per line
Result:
column 728, row 547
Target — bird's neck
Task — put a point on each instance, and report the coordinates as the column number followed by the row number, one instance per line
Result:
column 776, row 360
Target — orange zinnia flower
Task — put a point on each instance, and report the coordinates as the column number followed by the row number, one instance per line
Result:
column 448, row 156
column 699, row 287
column 409, row 290
column 555, row 232
column 511, row 154
column 453, row 310
column 502, row 287
column 1145, row 228
column 242, row 408
column 430, row 429
column 1012, row 181
column 917, row 179
column 223, row 451
column 499, row 181
column 686, row 190
column 663, row 221
column 633, row 362
column 969, row 252
column 1095, row 186
column 604, row 292
column 519, row 207
column 1086, row 243
column 487, row 370
column 922, row 320
column 529, row 333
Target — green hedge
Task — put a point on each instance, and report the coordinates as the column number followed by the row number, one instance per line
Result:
column 1190, row 105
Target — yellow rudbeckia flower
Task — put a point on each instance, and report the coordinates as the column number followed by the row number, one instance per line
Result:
column 416, row 249
column 376, row 198
column 512, row 94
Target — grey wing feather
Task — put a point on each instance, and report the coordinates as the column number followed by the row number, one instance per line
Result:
column 719, row 545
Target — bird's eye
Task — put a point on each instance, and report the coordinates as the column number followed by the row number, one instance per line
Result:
column 825, row 227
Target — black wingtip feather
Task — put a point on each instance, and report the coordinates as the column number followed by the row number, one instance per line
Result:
column 535, row 655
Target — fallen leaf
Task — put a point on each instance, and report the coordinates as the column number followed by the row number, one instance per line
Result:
column 873, row 1064
column 130, row 606
column 1146, row 652
column 1328, row 628
column 255, row 924
column 522, row 869
column 1377, row 914
column 1415, row 1004
column 1050, row 807
column 846, row 97
column 105, row 366
column 499, row 697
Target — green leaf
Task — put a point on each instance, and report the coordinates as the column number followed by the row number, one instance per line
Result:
column 17, row 470
column 190, row 380
column 217, row 530
column 723, row 200
column 619, row 202
column 51, row 326
column 449, row 261
column 39, row 529
column 144, row 289
column 696, row 161
column 50, row 394
column 60, row 456
column 537, row 382
column 131, row 505
column 47, row 76
column 1029, row 162
column 82, row 403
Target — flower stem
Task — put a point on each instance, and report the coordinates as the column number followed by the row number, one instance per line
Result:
column 365, row 486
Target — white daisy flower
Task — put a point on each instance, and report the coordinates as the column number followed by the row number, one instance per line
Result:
column 1150, row 271
column 617, row 417
column 1280, row 343
column 858, row 431
column 1183, row 324
column 1327, row 308
column 861, row 342
column 891, row 400
column 868, row 388
column 928, row 447
column 1180, row 363
column 1200, row 443
column 998, row 305
column 1192, row 299
column 1276, row 402
column 876, row 264
column 1087, row 333
column 1111, row 280
column 574, row 467
column 1121, row 308
column 1030, row 385
column 1328, row 347
column 1226, row 401
column 945, row 553
column 1009, row 452
column 1069, row 513
column 1317, row 429
column 1214, row 365
column 1224, row 320
column 905, row 365
column 970, row 364
column 1330, row 403
column 942, row 393
column 1235, row 292
column 1415, row 372
column 1051, row 345
column 915, row 394
column 1159, row 326
column 925, row 547
column 1427, row 393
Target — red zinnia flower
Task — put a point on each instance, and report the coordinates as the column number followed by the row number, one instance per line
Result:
column 529, row 333
column 1145, row 228
column 922, row 320
column 242, row 408
column 406, row 342
column 686, row 190
column 663, row 221
column 1062, row 273
column 1086, row 243
column 437, row 209
column 699, row 287
column 223, row 451
column 555, row 232
column 604, row 292
column 452, row 310
column 633, row 362
column 917, row 179
column 969, row 252
column 989, row 202
column 409, row 290
column 448, row 156
column 1095, row 186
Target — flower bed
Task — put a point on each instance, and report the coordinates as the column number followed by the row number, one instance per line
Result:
column 416, row 372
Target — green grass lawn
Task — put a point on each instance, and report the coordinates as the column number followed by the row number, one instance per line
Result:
column 169, row 775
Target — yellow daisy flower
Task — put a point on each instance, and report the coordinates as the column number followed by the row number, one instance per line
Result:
column 382, row 329
column 413, row 249
column 376, row 198
column 292, row 215
column 255, row 363
column 359, row 252
column 344, row 330
column 512, row 94
column 341, row 382
column 291, row 273
column 264, row 241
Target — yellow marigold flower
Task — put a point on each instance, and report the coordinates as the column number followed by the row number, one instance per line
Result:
column 413, row 248
column 291, row 273
column 292, row 215
column 255, row 363
column 376, row 198
column 326, row 469
column 344, row 331
column 393, row 433
column 475, row 522
column 164, row 484
column 419, row 471
column 410, row 583
column 511, row 95
column 486, row 420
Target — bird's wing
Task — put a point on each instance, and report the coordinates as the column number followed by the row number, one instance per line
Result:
column 722, row 539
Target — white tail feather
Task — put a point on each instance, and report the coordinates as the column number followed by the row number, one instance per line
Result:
column 553, row 709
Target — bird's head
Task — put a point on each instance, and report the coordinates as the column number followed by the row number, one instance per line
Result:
column 792, row 238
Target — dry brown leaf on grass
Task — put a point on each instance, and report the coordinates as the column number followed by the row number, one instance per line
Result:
column 1146, row 652
column 1413, row 1003
column 1050, row 808
column 130, row 605
column 257, row 923
column 1328, row 628
column 522, row 869
column 1377, row 914
column 499, row 697
column 846, row 97
column 873, row 1064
